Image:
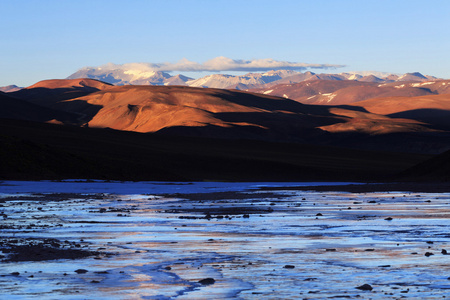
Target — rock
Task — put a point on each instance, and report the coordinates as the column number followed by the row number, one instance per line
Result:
column 427, row 254
column 365, row 287
column 81, row 271
column 289, row 267
column 388, row 219
column 207, row 281
column 444, row 252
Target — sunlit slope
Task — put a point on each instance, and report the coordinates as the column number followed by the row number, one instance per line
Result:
column 176, row 109
column 433, row 109
column 152, row 108
column 339, row 92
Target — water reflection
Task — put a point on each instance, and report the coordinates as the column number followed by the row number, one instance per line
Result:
column 161, row 247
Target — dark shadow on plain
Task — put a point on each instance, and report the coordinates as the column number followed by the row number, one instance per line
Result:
column 435, row 118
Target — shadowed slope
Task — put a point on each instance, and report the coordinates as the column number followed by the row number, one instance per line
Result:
column 50, row 92
column 434, row 169
column 46, row 151
column 433, row 110
column 13, row 108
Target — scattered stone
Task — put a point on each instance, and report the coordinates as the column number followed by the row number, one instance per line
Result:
column 95, row 281
column 388, row 219
column 444, row 252
column 384, row 266
column 365, row 287
column 15, row 273
column 81, row 271
column 207, row 281
column 246, row 216
column 310, row 279
column 330, row 249
column 289, row 267
column 319, row 215
column 427, row 254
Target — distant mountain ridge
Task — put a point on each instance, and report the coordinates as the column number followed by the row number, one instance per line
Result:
column 343, row 92
column 9, row 88
column 141, row 76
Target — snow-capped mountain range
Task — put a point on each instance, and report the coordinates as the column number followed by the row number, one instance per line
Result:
column 142, row 76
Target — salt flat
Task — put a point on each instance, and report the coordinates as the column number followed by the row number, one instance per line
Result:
column 221, row 240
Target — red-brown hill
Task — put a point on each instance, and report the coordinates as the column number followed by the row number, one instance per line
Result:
column 339, row 92
column 432, row 109
column 233, row 114
column 204, row 112
column 47, row 92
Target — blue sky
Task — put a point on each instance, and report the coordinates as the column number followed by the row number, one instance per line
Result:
column 53, row 39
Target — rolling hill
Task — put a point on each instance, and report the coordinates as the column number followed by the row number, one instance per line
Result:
column 334, row 92
column 185, row 133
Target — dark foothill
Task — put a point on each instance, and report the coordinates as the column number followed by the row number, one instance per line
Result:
column 207, row 281
column 365, row 287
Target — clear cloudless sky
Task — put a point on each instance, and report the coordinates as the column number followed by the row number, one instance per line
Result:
column 54, row 38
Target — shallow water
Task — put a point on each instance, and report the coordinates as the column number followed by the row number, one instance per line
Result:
column 254, row 244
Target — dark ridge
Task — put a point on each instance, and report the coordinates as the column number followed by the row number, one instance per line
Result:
column 34, row 151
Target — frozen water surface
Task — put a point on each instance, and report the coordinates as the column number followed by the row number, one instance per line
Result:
column 163, row 240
